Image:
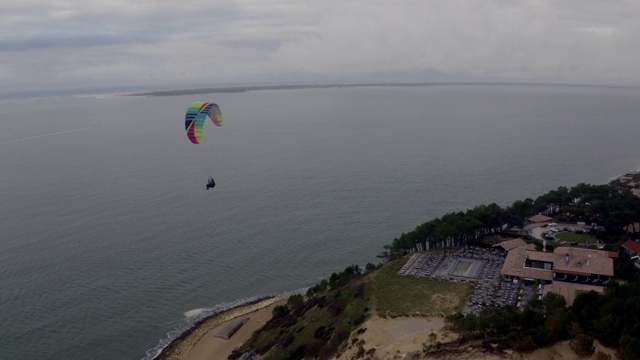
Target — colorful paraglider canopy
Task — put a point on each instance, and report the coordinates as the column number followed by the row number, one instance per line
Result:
column 195, row 117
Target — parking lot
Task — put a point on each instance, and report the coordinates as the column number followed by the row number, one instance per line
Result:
column 548, row 232
column 482, row 266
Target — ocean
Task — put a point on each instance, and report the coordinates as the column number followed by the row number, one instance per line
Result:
column 110, row 245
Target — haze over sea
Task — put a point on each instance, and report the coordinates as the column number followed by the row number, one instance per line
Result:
column 109, row 236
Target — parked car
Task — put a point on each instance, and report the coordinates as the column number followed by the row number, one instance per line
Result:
column 553, row 224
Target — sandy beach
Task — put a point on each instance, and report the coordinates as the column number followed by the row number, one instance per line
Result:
column 201, row 342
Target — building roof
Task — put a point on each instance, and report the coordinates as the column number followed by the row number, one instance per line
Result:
column 569, row 290
column 632, row 246
column 565, row 260
column 514, row 265
column 541, row 256
column 511, row 244
column 539, row 218
column 585, row 261
column 632, row 228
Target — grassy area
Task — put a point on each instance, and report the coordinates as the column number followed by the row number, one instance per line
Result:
column 573, row 237
column 399, row 295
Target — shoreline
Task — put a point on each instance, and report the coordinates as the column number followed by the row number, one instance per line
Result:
column 179, row 347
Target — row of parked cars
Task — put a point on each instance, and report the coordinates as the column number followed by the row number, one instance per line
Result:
column 549, row 234
column 553, row 229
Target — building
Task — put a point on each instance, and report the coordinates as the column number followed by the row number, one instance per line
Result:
column 566, row 271
column 509, row 245
column 631, row 247
column 515, row 265
column 539, row 218
column 585, row 266
column 633, row 228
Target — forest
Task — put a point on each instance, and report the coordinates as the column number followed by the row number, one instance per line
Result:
column 611, row 207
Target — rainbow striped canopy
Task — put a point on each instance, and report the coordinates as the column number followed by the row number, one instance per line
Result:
column 196, row 114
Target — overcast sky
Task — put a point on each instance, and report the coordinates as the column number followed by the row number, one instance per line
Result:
column 78, row 43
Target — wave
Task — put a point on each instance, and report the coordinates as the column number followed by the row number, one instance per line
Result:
column 191, row 321
column 46, row 135
column 630, row 172
column 195, row 316
column 194, row 312
column 56, row 95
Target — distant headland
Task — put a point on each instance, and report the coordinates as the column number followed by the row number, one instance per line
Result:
column 241, row 89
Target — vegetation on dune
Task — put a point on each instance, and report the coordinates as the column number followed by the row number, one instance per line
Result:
column 611, row 318
column 542, row 322
column 318, row 327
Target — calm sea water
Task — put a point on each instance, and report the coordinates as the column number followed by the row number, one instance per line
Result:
column 108, row 236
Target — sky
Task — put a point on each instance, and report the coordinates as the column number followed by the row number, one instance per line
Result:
column 49, row 44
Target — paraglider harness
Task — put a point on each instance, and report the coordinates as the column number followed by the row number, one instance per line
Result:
column 211, row 184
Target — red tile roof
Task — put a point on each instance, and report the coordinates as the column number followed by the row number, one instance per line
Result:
column 632, row 246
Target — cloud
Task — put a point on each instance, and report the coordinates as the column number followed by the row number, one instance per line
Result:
column 66, row 43
column 600, row 31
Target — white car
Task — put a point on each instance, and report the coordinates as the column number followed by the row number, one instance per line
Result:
column 553, row 224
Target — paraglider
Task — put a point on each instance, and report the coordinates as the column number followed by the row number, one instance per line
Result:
column 196, row 115
column 211, row 183
column 195, row 118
